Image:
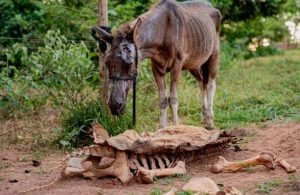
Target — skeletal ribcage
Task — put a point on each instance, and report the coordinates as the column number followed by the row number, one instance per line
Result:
column 151, row 161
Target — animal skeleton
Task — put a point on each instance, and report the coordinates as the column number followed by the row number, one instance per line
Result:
column 146, row 156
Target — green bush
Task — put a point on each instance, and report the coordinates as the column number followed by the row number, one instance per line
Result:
column 18, row 93
column 64, row 68
column 77, row 121
column 264, row 51
column 61, row 71
column 232, row 52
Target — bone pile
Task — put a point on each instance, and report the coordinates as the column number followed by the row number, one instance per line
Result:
column 145, row 156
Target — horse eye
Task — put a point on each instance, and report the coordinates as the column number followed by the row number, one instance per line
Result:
column 126, row 49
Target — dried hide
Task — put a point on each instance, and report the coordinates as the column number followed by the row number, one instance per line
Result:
column 172, row 139
column 147, row 155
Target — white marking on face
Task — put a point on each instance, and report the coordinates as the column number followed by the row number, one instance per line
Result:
column 128, row 53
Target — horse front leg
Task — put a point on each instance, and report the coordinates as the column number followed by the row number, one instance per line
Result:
column 161, row 85
column 173, row 100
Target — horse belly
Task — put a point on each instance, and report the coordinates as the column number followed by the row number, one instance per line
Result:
column 199, row 43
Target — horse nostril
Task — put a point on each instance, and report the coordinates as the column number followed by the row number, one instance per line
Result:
column 120, row 106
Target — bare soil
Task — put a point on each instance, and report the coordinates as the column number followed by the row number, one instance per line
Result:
column 282, row 139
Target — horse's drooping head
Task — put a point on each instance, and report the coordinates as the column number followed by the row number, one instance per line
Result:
column 120, row 61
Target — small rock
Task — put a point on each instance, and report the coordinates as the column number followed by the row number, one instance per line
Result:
column 237, row 148
column 36, row 163
column 27, row 171
column 13, row 181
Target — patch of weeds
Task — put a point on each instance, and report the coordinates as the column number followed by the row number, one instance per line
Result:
column 41, row 171
column 188, row 193
column 164, row 181
column 77, row 121
column 249, row 138
column 4, row 165
column 244, row 191
column 22, row 159
column 157, row 191
column 294, row 183
column 293, row 177
column 39, row 155
column 170, row 179
column 250, row 169
column 268, row 186
column 183, row 177
column 2, row 178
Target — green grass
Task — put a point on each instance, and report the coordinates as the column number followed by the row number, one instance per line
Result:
column 157, row 191
column 5, row 165
column 2, row 178
column 253, row 91
column 268, row 186
column 76, row 124
column 170, row 179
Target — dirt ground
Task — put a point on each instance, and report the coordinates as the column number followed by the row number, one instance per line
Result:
column 17, row 174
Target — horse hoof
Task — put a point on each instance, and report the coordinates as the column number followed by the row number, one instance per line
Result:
column 209, row 128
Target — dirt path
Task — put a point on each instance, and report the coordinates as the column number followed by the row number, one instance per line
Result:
column 282, row 139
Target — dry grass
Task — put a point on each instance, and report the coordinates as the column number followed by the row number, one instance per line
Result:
column 31, row 132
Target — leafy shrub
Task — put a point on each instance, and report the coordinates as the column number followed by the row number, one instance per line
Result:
column 77, row 122
column 16, row 56
column 264, row 51
column 65, row 67
column 61, row 70
column 18, row 93
column 232, row 52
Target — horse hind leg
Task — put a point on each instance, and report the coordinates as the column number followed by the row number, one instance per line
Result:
column 207, row 84
column 208, row 89
column 173, row 100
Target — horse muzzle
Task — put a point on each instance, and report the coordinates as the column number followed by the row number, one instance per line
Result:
column 117, row 106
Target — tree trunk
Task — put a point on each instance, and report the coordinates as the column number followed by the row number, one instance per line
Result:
column 103, row 21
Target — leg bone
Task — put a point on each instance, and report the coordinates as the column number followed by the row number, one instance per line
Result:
column 266, row 159
column 289, row 168
column 146, row 176
column 119, row 169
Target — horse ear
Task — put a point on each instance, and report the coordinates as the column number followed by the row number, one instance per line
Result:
column 102, row 34
column 135, row 26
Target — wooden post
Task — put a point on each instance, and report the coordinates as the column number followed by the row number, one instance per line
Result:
column 103, row 21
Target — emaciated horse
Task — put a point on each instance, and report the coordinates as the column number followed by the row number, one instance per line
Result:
column 174, row 37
